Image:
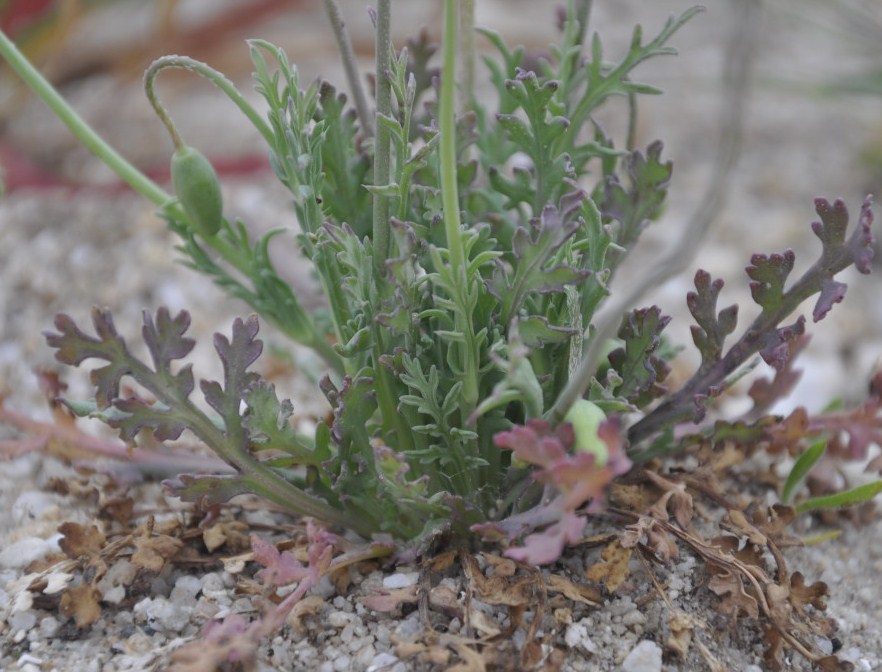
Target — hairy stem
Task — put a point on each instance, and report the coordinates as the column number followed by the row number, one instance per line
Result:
column 212, row 75
column 450, row 199
column 350, row 65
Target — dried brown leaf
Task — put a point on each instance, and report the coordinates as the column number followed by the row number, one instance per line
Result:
column 612, row 570
column 675, row 501
column 681, row 626
column 736, row 522
column 735, row 600
column 80, row 540
column 82, row 604
column 803, row 594
column 636, row 498
column 230, row 533
column 648, row 532
column 308, row 606
column 508, row 591
column 574, row 591
column 390, row 600
column 501, row 566
column 151, row 553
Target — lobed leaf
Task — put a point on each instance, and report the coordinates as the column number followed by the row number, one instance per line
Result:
column 640, row 369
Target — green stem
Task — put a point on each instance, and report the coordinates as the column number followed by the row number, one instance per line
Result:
column 450, row 203
column 383, row 141
column 447, row 128
column 77, row 125
column 215, row 77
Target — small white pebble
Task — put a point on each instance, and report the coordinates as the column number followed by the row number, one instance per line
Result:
column 338, row 619
column 382, row 662
column 645, row 657
column 635, row 617
column 400, row 580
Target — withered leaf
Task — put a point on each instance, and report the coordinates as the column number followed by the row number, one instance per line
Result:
column 81, row 603
column 803, row 594
column 80, row 540
column 613, row 568
column 576, row 592
column 501, row 566
column 230, row 533
column 648, row 531
column 390, row 600
column 681, row 626
column 736, row 522
column 675, row 500
column 151, row 553
column 310, row 605
column 735, row 601
column 508, row 591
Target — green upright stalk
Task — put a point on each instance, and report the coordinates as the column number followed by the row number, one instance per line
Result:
column 450, row 198
column 447, row 127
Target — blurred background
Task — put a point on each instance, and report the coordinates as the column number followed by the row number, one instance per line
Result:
column 811, row 126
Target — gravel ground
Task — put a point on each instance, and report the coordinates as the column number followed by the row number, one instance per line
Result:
column 63, row 250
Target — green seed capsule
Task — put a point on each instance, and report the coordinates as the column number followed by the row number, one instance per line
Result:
column 586, row 418
column 198, row 190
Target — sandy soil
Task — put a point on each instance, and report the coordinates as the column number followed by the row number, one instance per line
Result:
column 67, row 249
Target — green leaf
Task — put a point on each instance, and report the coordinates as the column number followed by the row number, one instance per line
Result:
column 801, row 467
column 640, row 370
column 859, row 495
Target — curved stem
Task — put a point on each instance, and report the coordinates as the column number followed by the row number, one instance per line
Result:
column 78, row 126
column 212, row 75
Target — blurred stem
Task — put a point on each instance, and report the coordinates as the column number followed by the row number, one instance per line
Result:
column 735, row 86
column 350, row 65
column 583, row 15
column 467, row 30
column 383, row 140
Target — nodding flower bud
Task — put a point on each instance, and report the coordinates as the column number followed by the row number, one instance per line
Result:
column 586, row 417
column 198, row 190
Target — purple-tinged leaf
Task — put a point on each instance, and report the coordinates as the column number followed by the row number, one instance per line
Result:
column 236, row 355
column 766, row 392
column 534, row 267
column 776, row 352
column 165, row 337
column 638, row 203
column 136, row 414
column 831, row 292
column 75, row 347
column 280, row 568
column 712, row 328
column 575, row 478
column 542, row 548
column 768, row 273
